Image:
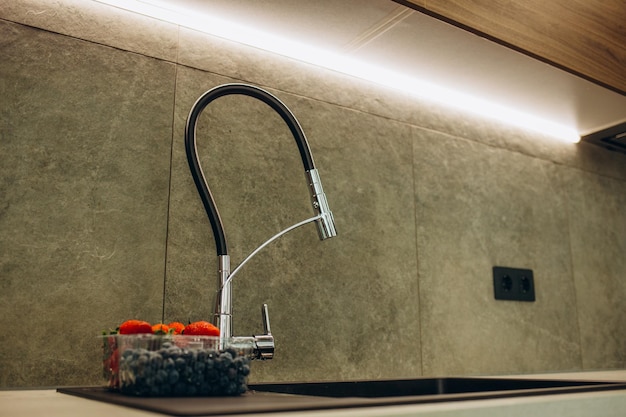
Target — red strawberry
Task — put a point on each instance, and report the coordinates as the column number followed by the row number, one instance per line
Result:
column 135, row 327
column 177, row 327
column 160, row 328
column 201, row 328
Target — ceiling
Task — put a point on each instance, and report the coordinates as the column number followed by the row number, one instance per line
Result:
column 387, row 34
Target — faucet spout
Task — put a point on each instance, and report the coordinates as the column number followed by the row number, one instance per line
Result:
column 323, row 216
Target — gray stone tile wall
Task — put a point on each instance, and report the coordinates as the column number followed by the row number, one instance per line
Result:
column 597, row 230
column 100, row 220
column 85, row 144
column 479, row 207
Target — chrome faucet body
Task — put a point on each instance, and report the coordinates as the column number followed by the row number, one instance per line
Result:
column 264, row 344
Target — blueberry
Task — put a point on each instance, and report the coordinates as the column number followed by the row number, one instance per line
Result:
column 166, row 390
column 242, row 388
column 180, row 363
column 231, row 389
column 199, row 366
column 148, row 380
column 223, row 381
column 226, row 360
column 211, row 375
column 173, row 377
column 180, row 388
column 192, row 390
column 187, row 355
column 204, row 388
column 173, row 351
column 156, row 361
column 161, row 376
column 142, row 360
column 169, row 364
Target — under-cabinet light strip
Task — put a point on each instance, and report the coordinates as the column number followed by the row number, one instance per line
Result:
column 344, row 64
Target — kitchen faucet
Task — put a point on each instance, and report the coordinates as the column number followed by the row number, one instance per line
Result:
column 263, row 344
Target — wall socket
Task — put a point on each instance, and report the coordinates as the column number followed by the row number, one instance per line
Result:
column 513, row 284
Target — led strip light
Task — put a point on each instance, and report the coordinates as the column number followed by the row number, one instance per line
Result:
column 307, row 53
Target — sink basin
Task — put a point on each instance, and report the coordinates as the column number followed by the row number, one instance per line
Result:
column 301, row 396
column 420, row 390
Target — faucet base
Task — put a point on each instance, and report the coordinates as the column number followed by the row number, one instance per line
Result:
column 224, row 301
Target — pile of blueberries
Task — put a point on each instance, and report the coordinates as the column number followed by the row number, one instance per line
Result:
column 179, row 371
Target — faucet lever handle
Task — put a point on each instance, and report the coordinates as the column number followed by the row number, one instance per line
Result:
column 264, row 343
column 266, row 320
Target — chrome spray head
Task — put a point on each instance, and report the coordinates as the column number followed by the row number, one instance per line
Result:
column 326, row 222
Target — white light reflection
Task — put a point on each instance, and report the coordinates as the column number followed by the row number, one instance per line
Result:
column 310, row 54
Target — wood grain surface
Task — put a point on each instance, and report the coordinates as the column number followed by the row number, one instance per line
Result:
column 584, row 37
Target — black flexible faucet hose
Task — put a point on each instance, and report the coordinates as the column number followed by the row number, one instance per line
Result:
column 192, row 154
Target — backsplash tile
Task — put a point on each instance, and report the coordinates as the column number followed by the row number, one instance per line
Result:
column 83, row 177
column 101, row 220
column 479, row 207
column 598, row 240
column 96, row 22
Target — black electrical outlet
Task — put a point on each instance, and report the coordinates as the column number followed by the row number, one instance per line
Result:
column 513, row 284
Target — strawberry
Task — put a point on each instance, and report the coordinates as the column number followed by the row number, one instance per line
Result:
column 201, row 328
column 176, row 327
column 135, row 327
column 160, row 328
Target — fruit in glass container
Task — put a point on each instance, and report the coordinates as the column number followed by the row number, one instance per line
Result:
column 171, row 370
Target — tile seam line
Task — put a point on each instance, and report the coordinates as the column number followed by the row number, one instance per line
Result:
column 169, row 187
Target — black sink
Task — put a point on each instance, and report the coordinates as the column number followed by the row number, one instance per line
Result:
column 436, row 389
column 301, row 396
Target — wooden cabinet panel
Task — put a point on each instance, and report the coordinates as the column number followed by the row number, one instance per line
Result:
column 585, row 37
